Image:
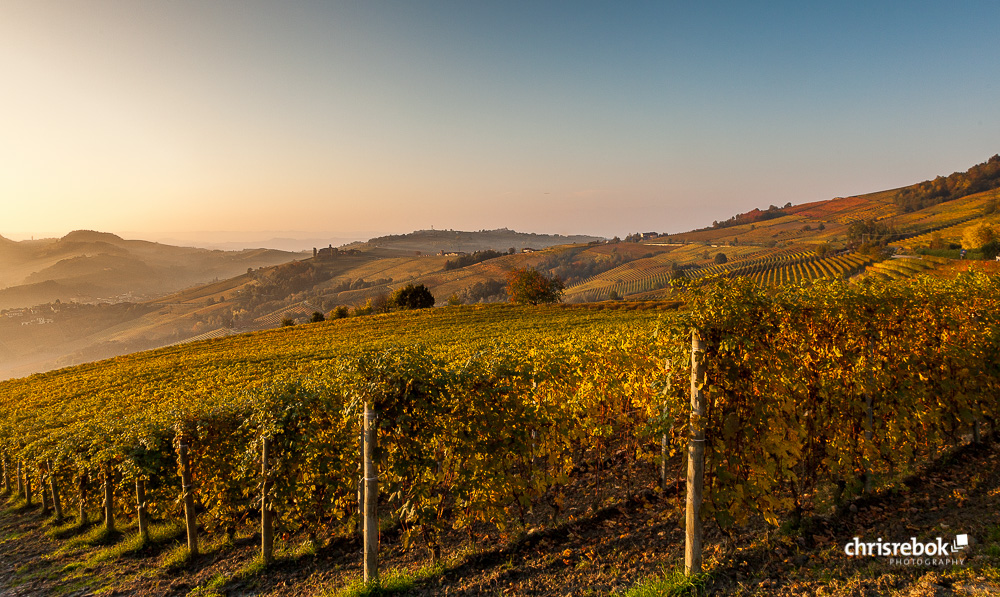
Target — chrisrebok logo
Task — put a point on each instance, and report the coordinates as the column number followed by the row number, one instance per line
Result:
column 911, row 553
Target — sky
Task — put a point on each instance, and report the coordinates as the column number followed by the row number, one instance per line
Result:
column 216, row 121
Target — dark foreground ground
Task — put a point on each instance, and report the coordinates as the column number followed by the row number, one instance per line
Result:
column 613, row 538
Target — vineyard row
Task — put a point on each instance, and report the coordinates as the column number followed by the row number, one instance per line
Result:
column 827, row 384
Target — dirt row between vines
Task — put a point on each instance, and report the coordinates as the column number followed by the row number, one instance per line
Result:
column 614, row 529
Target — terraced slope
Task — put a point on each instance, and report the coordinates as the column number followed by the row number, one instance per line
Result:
column 897, row 269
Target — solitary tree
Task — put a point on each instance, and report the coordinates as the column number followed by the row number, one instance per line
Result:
column 525, row 285
column 720, row 258
column 412, row 297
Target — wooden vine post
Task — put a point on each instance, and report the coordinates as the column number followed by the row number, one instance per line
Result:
column 371, row 498
column 696, row 459
column 109, row 498
column 6, row 477
column 664, row 439
column 141, row 511
column 41, row 490
column 56, row 504
column 20, row 483
column 188, row 495
column 869, row 424
column 27, row 485
column 266, row 514
column 361, row 478
column 82, row 487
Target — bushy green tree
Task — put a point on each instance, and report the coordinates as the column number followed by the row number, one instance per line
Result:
column 525, row 285
column 412, row 297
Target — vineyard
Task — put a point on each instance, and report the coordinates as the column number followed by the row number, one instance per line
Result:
column 654, row 273
column 768, row 267
column 485, row 412
column 895, row 269
column 787, row 267
column 810, row 267
column 303, row 388
column 944, row 215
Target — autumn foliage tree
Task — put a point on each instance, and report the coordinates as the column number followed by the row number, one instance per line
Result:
column 982, row 237
column 978, row 236
column 525, row 285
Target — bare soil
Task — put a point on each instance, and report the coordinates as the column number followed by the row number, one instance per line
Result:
column 615, row 530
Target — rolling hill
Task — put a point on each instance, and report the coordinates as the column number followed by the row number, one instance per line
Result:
column 434, row 241
column 584, row 402
column 88, row 266
column 181, row 294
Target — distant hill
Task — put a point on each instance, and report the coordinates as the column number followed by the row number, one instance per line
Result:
column 501, row 239
column 174, row 294
column 89, row 266
column 845, row 237
column 183, row 293
column 912, row 210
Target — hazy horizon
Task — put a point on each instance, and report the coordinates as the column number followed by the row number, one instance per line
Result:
column 220, row 239
column 164, row 120
column 284, row 240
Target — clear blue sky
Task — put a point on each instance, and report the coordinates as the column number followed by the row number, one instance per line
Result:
column 156, row 118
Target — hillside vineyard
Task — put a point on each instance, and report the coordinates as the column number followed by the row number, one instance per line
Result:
column 484, row 411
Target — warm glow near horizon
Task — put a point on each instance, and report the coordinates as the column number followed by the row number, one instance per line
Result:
column 357, row 119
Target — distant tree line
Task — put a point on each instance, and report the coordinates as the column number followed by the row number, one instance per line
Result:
column 488, row 291
column 979, row 178
column 569, row 268
column 753, row 216
column 277, row 283
column 870, row 236
column 359, row 284
column 870, row 231
column 474, row 258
